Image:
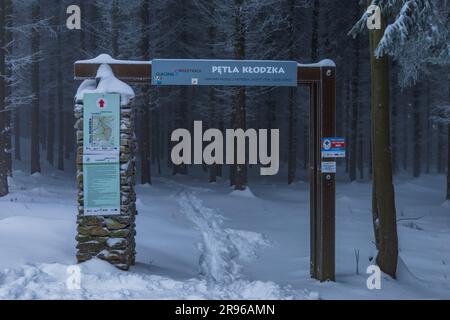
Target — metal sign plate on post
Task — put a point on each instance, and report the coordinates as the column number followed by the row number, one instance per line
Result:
column 333, row 148
column 329, row 167
column 224, row 73
column 101, row 154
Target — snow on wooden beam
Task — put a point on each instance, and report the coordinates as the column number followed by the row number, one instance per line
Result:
column 141, row 71
column 127, row 71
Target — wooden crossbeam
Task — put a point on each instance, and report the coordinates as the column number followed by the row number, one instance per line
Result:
column 135, row 73
column 141, row 72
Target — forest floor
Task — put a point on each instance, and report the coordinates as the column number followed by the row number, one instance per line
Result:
column 203, row 241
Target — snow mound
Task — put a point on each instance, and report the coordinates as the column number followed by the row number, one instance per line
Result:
column 101, row 281
column 247, row 193
column 107, row 59
column 248, row 242
column 324, row 63
column 405, row 276
column 108, row 83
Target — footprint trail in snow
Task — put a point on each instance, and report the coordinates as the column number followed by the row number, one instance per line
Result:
column 220, row 248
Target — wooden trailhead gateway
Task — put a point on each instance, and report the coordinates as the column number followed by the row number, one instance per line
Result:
column 320, row 78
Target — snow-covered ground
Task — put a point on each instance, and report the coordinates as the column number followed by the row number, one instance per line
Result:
column 203, row 241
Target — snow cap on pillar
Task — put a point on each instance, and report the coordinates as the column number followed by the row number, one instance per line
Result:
column 106, row 82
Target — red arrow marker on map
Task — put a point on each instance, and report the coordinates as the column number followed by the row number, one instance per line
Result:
column 102, row 104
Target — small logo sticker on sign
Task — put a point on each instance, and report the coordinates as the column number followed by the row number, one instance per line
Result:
column 327, row 144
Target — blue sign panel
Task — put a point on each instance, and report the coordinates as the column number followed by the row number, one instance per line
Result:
column 333, row 148
column 224, row 73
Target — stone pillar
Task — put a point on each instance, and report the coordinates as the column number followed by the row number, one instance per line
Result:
column 110, row 238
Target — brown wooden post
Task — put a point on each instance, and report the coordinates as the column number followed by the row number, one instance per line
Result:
column 327, row 181
column 321, row 80
column 314, row 157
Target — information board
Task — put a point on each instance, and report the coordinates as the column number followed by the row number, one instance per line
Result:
column 101, row 154
column 101, row 183
column 101, row 123
column 224, row 73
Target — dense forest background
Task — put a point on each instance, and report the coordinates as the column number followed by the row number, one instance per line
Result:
column 37, row 87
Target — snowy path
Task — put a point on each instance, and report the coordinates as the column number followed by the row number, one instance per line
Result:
column 220, row 247
column 203, row 241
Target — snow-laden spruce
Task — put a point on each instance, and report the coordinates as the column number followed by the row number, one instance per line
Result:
column 418, row 36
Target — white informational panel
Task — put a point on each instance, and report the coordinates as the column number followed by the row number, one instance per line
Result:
column 101, row 158
column 329, row 167
column 101, row 182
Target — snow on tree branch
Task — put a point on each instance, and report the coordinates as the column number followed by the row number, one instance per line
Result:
column 43, row 25
column 418, row 36
column 441, row 114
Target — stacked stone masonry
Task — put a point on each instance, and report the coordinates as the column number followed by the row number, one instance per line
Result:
column 109, row 238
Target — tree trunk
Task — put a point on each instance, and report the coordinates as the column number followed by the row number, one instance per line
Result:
column 355, row 108
column 448, row 163
column 292, row 157
column 315, row 32
column 239, row 173
column 158, row 150
column 428, row 139
column 361, row 154
column 370, row 156
column 448, row 151
column 3, row 118
column 8, row 72
column 115, row 29
column 405, row 135
column 35, row 88
column 347, row 120
column 83, row 41
column 60, row 99
column 17, row 153
column 51, row 128
column 440, row 146
column 68, row 133
column 239, row 113
column 219, row 172
column 394, row 123
column 145, row 146
column 212, row 95
column 212, row 119
column 43, row 120
column 91, row 38
column 385, row 221
column 181, row 122
column 417, row 159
